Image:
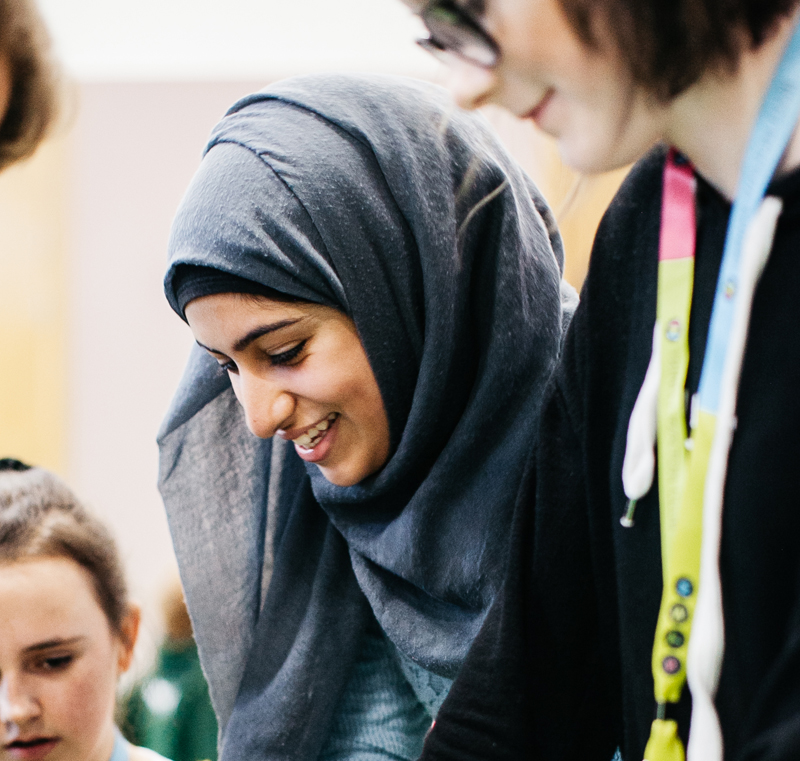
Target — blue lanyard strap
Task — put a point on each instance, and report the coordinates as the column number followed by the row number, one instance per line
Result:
column 768, row 140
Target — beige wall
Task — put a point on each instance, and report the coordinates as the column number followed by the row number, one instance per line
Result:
column 33, row 347
column 90, row 351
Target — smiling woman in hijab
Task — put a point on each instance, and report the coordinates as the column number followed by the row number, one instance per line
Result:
column 371, row 278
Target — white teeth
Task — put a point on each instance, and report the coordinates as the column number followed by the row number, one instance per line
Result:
column 313, row 436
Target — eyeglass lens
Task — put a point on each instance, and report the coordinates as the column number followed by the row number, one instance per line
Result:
column 453, row 31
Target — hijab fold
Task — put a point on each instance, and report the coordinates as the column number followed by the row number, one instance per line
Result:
column 374, row 196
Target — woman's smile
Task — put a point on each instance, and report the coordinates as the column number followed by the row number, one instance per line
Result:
column 300, row 372
column 313, row 443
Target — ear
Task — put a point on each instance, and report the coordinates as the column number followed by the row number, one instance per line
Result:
column 128, row 634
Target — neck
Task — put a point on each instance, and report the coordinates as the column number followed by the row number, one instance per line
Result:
column 711, row 122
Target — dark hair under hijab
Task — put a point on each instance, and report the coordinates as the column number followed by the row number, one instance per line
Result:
column 669, row 44
column 373, row 196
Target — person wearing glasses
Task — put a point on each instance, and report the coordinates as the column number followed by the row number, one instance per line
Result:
column 374, row 286
column 652, row 601
column 28, row 89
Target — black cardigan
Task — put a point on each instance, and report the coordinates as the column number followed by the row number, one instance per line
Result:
column 561, row 669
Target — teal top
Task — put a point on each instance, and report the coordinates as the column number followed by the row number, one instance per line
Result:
column 169, row 711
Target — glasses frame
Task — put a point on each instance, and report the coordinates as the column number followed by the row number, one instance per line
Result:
column 463, row 33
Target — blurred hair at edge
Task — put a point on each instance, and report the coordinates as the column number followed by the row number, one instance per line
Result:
column 610, row 78
column 28, row 81
column 67, row 627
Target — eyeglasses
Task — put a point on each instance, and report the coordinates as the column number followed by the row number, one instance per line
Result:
column 453, row 32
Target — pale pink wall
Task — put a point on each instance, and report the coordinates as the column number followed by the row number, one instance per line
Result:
column 136, row 147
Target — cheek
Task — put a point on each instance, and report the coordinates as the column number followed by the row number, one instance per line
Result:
column 81, row 706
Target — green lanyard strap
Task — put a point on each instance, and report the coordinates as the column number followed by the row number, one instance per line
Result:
column 680, row 464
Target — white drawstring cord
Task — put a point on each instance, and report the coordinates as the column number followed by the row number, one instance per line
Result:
column 638, row 467
column 707, row 643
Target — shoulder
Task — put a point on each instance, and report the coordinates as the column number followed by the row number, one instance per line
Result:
column 137, row 753
column 628, row 231
column 618, row 296
column 638, row 198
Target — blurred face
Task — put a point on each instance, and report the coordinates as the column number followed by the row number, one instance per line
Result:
column 5, row 86
column 59, row 663
column 300, row 372
column 584, row 97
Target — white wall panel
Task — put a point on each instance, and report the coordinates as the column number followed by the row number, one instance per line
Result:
column 232, row 39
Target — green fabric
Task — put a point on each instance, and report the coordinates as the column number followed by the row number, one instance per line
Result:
column 169, row 711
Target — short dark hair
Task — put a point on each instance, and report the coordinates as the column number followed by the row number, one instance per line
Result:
column 25, row 45
column 41, row 518
column 669, row 44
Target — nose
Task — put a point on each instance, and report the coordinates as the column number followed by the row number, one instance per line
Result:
column 471, row 86
column 267, row 403
column 18, row 705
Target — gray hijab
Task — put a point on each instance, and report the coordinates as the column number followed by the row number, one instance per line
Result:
column 374, row 196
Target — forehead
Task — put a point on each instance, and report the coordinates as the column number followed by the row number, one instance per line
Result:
column 45, row 599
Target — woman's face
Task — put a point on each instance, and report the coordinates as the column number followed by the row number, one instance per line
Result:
column 584, row 97
column 59, row 663
column 299, row 371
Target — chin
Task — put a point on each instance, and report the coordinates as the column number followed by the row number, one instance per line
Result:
column 339, row 477
column 596, row 156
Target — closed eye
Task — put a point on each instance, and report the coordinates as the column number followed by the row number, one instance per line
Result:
column 286, row 357
column 55, row 663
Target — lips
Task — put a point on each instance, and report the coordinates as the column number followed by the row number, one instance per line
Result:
column 32, row 749
column 312, row 444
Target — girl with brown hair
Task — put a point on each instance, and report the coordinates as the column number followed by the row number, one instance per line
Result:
column 67, row 627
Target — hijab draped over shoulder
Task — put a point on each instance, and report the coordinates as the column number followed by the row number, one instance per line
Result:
column 375, row 196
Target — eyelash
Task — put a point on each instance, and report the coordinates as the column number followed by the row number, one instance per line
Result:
column 57, row 663
column 285, row 357
column 276, row 360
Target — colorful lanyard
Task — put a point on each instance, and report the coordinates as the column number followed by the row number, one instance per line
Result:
column 692, row 471
column 681, row 468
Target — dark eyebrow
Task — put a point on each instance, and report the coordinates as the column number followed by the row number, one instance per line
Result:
column 53, row 643
column 253, row 335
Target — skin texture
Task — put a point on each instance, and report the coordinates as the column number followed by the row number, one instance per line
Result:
column 5, row 86
column 289, row 379
column 587, row 100
column 63, row 692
